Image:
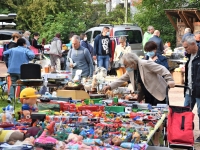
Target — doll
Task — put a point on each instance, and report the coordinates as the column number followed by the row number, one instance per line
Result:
column 10, row 135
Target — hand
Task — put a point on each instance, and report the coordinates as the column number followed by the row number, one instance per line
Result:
column 110, row 59
column 94, row 57
column 171, row 84
column 106, row 88
column 71, row 65
column 154, row 58
column 63, row 45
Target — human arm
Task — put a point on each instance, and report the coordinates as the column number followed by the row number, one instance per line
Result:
column 35, row 44
column 128, row 49
column 161, row 47
column 96, row 45
column 7, row 53
column 109, row 47
column 89, row 61
column 162, row 71
column 58, row 44
column 124, row 78
column 115, row 53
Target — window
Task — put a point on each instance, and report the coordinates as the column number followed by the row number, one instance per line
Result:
column 96, row 33
column 133, row 36
column 5, row 36
column 89, row 34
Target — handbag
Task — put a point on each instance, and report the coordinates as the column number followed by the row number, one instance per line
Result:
column 35, row 50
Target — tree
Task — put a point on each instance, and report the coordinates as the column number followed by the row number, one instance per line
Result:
column 152, row 12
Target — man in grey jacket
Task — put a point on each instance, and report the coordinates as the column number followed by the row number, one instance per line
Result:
column 56, row 52
column 81, row 58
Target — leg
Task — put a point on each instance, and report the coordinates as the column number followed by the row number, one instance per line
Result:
column 52, row 62
column 189, row 98
column 100, row 61
column 58, row 62
column 106, row 62
column 14, row 78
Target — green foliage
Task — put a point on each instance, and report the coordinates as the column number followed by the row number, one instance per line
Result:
column 152, row 12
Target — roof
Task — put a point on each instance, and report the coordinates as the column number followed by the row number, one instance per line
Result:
column 187, row 15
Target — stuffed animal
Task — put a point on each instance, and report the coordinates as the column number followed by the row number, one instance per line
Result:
column 99, row 77
column 6, row 116
column 10, row 135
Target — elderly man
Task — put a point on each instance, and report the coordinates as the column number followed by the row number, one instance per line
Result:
column 147, row 35
column 81, row 58
column 192, row 74
column 156, row 38
column 187, row 32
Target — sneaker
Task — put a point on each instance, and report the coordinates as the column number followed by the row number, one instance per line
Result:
column 9, row 100
column 197, row 140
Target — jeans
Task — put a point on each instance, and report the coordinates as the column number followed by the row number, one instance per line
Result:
column 194, row 101
column 14, row 78
column 103, row 61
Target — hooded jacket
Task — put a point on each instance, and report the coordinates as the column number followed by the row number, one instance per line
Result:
column 56, row 45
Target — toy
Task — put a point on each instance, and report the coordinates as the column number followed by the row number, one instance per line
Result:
column 6, row 116
column 28, row 98
column 116, row 141
column 10, row 135
column 27, row 141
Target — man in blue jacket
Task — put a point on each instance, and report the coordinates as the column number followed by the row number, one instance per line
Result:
column 102, row 49
column 156, row 38
column 16, row 57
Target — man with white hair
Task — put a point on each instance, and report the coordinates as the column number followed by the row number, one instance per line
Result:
column 192, row 74
column 187, row 32
column 156, row 38
column 26, row 36
column 148, row 34
column 81, row 58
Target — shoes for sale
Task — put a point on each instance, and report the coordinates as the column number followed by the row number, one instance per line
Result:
column 197, row 140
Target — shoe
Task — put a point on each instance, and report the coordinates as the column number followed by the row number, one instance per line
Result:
column 197, row 140
column 9, row 100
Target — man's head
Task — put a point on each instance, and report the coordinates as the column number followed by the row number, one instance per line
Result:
column 157, row 33
column 21, row 42
column 83, row 36
column 190, row 45
column 105, row 31
column 36, row 35
column 27, row 34
column 187, row 30
column 197, row 36
column 150, row 29
column 75, row 42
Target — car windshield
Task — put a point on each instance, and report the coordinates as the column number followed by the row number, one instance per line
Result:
column 5, row 36
column 133, row 36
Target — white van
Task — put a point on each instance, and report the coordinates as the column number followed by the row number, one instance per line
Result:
column 132, row 32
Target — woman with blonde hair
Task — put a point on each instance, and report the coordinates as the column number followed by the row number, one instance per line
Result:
column 121, row 49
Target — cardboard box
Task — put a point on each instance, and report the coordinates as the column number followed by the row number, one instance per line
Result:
column 74, row 94
column 178, row 77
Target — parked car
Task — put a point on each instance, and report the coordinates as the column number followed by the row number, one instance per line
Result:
column 132, row 32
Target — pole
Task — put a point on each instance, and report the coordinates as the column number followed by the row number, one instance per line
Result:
column 126, row 9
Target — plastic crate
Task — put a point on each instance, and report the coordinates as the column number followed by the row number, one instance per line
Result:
column 116, row 109
column 95, row 100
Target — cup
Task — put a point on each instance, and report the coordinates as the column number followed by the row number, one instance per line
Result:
column 46, row 69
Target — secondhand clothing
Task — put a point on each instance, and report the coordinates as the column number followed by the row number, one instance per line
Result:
column 102, row 46
column 83, row 61
column 16, row 57
column 155, row 78
column 162, row 60
column 159, row 43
